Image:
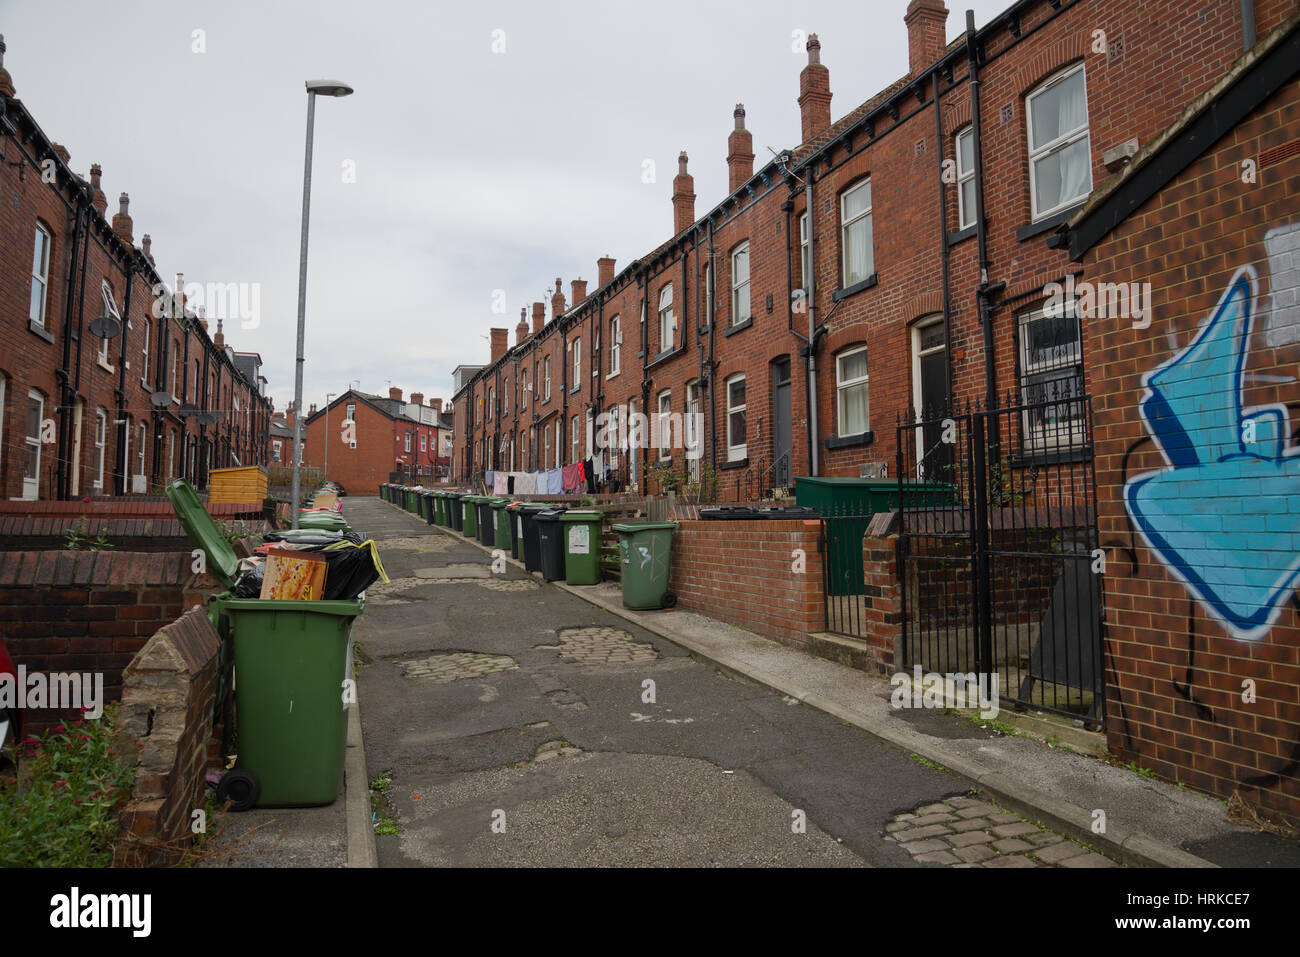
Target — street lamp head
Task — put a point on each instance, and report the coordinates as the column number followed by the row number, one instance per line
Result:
column 328, row 88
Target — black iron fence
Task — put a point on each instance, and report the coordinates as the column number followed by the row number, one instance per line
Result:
column 998, row 555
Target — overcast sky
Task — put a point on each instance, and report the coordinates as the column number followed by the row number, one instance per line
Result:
column 475, row 170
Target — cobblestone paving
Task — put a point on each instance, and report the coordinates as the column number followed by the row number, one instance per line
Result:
column 431, row 543
column 509, row 584
column 970, row 832
column 381, row 590
column 457, row 666
column 555, row 749
column 598, row 646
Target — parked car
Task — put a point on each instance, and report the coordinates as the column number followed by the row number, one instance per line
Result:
column 10, row 717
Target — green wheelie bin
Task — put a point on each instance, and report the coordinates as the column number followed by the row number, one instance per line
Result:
column 515, row 516
column 439, row 509
column 292, row 660
column 501, row 523
column 645, row 553
column 469, row 509
column 328, row 521
column 582, row 545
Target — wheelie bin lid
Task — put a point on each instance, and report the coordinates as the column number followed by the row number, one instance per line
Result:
column 549, row 515
column 582, row 515
column 203, row 531
column 644, row 526
column 499, row 502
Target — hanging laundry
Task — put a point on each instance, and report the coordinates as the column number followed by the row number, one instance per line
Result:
column 526, row 483
column 554, row 482
column 500, row 483
column 572, row 477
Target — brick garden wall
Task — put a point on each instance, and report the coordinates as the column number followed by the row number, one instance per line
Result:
column 1182, row 655
column 83, row 611
column 741, row 572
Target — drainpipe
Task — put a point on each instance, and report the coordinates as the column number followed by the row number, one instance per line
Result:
column 66, row 465
column 982, row 294
column 812, row 326
column 1247, row 24
column 63, row 375
column 708, row 306
column 123, row 467
column 943, row 240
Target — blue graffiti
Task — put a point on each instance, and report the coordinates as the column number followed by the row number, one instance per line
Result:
column 1225, row 514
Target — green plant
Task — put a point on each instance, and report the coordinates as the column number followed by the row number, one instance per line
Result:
column 77, row 537
column 1002, row 488
column 235, row 531
column 927, row 763
column 62, row 811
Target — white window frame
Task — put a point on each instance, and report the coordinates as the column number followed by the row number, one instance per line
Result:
column 351, row 410
column 506, row 396
column 144, row 352
column 559, row 442
column 546, row 369
column 41, row 245
column 491, row 402
column 842, row 385
column 424, row 442
column 408, row 440
column 32, row 486
column 576, row 440
column 965, row 217
column 171, row 369
column 546, row 446
column 276, row 448
column 142, row 430
column 846, row 225
column 101, row 440
column 667, row 319
column 663, row 418
column 740, row 286
column 1039, row 152
column 741, row 451
column 523, row 390
column 110, row 307
column 615, row 341
column 805, row 265
column 577, row 362
column 690, row 433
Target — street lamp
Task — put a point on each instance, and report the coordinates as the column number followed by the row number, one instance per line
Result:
column 324, row 88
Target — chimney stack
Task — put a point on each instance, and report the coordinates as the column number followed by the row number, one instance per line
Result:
column 219, row 339
column 62, row 152
column 99, row 201
column 6, row 81
column 395, row 393
column 311, row 410
column 740, row 152
column 683, row 196
column 146, row 244
column 521, row 330
column 437, row 406
column 288, row 416
column 579, row 291
column 926, row 38
column 604, row 270
column 539, row 317
column 417, row 398
column 557, row 301
column 814, row 92
column 122, row 221
column 500, row 343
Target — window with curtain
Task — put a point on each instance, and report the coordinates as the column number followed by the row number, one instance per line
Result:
column 664, row 424
column 965, row 142
column 546, row 371
column 576, row 452
column 1060, row 158
column 805, row 265
column 101, row 439
column 851, row 391
column 855, row 229
column 110, row 309
column 740, row 284
column 577, row 362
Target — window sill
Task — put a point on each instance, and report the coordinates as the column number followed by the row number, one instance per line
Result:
column 867, row 283
column 665, row 356
column 845, row 441
column 1037, row 228
column 104, row 365
column 735, row 464
column 40, row 331
column 738, row 327
column 1077, row 454
column 576, row 388
column 612, row 375
column 961, row 235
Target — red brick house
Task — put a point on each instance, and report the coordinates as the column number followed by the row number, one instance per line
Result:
column 376, row 439
column 85, row 415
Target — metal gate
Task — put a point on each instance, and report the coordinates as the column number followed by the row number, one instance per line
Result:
column 998, row 557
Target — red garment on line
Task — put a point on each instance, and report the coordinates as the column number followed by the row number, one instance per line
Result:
column 573, row 477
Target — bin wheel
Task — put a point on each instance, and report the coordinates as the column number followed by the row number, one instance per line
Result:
column 241, row 787
column 668, row 601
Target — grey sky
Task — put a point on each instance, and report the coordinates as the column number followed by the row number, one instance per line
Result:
column 475, row 170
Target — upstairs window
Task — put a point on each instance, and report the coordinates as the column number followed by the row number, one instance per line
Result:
column 144, row 351
column 577, row 362
column 855, row 230
column 546, row 373
column 615, row 340
column 851, row 392
column 40, row 276
column 110, row 309
column 966, row 178
column 805, row 264
column 740, row 284
column 1060, row 157
column 667, row 319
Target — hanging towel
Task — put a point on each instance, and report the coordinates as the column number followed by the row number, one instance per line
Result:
column 554, row 482
column 572, row 477
column 589, row 466
column 500, row 484
column 526, row 483
column 489, row 478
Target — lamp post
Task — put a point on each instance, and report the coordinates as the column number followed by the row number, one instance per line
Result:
column 324, row 88
column 328, row 396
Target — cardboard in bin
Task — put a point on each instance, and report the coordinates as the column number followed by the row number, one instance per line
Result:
column 294, row 575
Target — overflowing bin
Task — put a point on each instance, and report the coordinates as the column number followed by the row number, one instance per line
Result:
column 645, row 554
column 292, row 661
column 582, row 545
column 550, row 536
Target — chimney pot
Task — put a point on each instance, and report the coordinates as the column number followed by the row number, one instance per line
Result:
column 739, row 114
column 219, row 339
column 521, row 330
column 6, row 81
column 417, row 398
column 395, row 393
column 122, row 225
column 604, row 270
column 557, row 301
column 99, row 200
column 814, row 93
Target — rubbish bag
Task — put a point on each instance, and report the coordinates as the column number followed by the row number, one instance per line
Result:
column 352, row 569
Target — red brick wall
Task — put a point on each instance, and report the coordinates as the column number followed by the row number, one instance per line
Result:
column 881, row 618
column 742, row 572
column 1178, row 666
column 83, row 611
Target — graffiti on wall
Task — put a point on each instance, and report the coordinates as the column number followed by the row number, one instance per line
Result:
column 1224, row 513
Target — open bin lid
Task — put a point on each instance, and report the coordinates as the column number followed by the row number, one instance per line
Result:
column 203, row 531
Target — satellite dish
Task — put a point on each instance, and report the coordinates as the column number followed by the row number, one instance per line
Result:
column 106, row 327
column 188, row 409
column 209, row 418
column 160, row 399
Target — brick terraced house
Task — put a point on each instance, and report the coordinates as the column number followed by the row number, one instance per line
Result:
column 84, row 415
